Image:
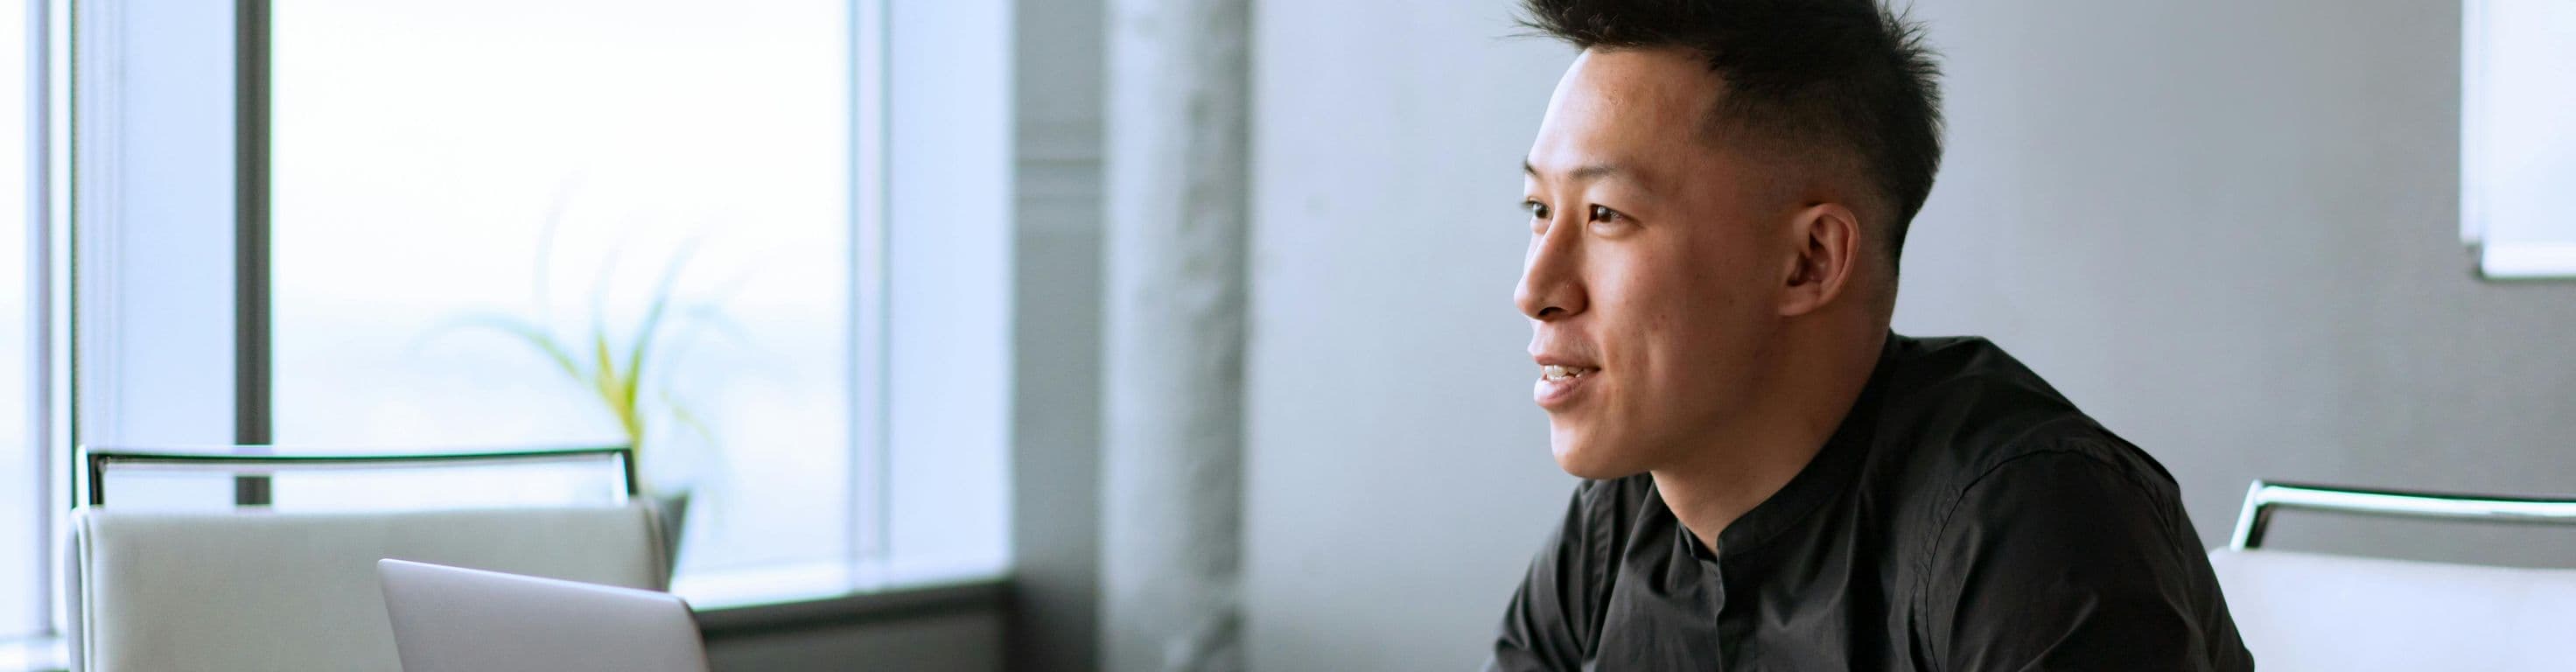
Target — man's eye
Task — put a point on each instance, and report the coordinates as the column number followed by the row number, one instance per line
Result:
column 1536, row 209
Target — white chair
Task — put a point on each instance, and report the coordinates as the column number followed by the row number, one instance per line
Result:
column 2311, row 611
column 254, row 589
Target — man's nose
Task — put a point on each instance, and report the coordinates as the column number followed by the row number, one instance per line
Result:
column 1551, row 281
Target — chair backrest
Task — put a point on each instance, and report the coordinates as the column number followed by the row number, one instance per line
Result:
column 2310, row 611
column 257, row 590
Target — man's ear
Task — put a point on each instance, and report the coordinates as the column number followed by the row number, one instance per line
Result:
column 1826, row 242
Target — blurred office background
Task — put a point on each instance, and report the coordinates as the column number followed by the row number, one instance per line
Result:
column 2229, row 231
column 1160, row 334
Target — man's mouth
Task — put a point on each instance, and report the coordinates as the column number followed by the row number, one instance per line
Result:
column 1558, row 383
column 1555, row 372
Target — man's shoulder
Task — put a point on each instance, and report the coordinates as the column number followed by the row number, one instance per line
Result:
column 1966, row 389
column 2023, row 528
column 1961, row 410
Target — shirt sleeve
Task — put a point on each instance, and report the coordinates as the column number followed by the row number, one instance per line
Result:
column 2060, row 560
column 1549, row 625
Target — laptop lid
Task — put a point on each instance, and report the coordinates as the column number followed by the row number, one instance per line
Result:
column 451, row 619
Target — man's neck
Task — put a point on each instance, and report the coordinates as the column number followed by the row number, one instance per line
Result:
column 1737, row 472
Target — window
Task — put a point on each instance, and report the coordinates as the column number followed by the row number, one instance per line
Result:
column 2517, row 151
column 450, row 187
column 23, row 524
column 458, row 200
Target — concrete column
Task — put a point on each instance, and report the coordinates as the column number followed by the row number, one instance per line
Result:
column 1172, row 457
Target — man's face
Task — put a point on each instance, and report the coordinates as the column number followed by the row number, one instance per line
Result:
column 1654, row 268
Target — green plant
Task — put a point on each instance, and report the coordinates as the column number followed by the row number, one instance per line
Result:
column 615, row 376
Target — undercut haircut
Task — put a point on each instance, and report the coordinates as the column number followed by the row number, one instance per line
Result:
column 1846, row 78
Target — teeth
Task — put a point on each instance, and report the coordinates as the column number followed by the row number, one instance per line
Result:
column 1558, row 372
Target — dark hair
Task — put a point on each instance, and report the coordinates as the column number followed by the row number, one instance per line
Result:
column 1848, row 75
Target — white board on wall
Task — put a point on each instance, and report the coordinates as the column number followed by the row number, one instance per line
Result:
column 2518, row 137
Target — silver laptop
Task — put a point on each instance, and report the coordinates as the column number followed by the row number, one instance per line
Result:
column 450, row 619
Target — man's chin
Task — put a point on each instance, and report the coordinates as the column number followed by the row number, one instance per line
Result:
column 1589, row 460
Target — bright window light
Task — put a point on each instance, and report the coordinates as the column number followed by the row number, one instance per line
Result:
column 22, row 567
column 472, row 200
column 2517, row 147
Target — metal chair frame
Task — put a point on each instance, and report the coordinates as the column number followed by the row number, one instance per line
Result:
column 2265, row 498
column 100, row 459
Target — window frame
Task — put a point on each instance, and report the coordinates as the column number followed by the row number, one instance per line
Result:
column 87, row 297
column 39, row 222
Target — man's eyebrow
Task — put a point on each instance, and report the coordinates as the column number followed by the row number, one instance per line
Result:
column 1589, row 171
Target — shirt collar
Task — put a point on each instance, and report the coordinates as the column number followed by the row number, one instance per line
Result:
column 1826, row 475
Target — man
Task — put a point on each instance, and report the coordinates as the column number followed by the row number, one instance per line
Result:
column 1717, row 199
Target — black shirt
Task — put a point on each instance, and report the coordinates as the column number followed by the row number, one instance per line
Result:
column 1963, row 517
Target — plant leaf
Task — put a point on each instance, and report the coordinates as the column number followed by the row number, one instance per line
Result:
column 653, row 320
column 690, row 420
column 612, row 387
column 527, row 332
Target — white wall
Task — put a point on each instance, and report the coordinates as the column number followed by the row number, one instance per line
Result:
column 1396, row 474
column 2226, row 229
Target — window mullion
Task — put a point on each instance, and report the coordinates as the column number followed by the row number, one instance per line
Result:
column 251, row 371
column 153, row 140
